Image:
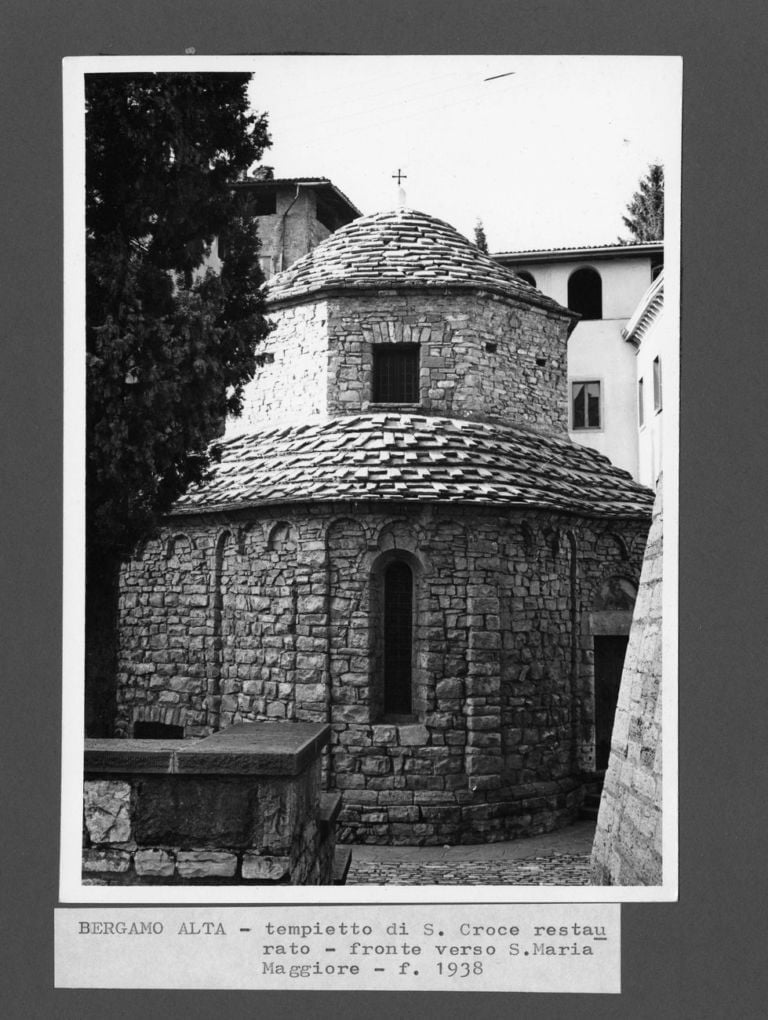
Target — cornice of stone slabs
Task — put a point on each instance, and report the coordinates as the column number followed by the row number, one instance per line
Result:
column 403, row 458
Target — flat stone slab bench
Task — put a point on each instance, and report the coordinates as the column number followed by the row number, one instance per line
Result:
column 241, row 805
column 257, row 749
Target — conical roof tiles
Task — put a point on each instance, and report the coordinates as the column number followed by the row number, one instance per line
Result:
column 402, row 248
column 402, row 457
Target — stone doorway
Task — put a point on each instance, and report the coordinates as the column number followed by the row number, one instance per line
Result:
column 610, row 650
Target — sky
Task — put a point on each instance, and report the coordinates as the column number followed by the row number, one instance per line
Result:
column 546, row 156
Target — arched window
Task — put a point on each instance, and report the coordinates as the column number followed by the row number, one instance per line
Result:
column 528, row 277
column 585, row 293
column 398, row 638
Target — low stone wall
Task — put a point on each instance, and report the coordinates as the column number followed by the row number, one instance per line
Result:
column 242, row 806
column 628, row 841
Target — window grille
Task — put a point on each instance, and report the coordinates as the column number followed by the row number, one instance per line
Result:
column 396, row 374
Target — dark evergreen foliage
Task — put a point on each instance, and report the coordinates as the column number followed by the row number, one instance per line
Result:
column 480, row 238
column 169, row 346
column 646, row 210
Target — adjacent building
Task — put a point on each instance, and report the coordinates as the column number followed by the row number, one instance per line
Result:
column 604, row 285
column 294, row 214
column 647, row 331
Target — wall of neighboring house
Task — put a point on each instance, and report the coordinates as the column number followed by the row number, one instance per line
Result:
column 597, row 351
column 650, row 431
column 287, row 234
column 628, row 840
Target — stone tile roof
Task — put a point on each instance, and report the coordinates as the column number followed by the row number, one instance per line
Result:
column 614, row 249
column 401, row 457
column 307, row 181
column 400, row 248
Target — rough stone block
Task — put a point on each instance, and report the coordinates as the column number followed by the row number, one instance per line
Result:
column 205, row 864
column 412, row 736
column 106, row 861
column 449, row 689
column 107, row 807
column 265, row 869
column 154, row 863
column 385, row 735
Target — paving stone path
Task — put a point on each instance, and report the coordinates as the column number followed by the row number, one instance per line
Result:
column 560, row 869
column 560, row 858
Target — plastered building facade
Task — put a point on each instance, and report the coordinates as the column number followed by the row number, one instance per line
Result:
column 604, row 284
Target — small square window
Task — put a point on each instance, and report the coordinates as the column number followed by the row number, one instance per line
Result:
column 585, row 405
column 656, row 384
column 396, row 374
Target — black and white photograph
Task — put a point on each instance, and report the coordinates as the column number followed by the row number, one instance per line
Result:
column 371, row 441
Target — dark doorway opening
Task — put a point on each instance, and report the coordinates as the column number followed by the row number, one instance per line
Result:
column 398, row 638
column 609, row 662
column 157, row 731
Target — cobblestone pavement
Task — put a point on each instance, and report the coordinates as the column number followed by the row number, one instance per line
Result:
column 559, row 858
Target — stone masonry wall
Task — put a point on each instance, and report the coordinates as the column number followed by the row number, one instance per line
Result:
column 179, row 812
column 287, row 625
column 291, row 381
column 480, row 356
column 628, row 841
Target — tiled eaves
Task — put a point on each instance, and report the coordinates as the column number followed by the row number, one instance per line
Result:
column 346, row 287
column 414, row 458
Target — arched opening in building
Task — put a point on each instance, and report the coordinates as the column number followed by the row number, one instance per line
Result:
column 528, row 277
column 585, row 293
column 398, row 638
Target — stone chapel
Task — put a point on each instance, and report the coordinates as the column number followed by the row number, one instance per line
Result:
column 400, row 540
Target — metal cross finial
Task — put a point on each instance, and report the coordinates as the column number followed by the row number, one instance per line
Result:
column 399, row 176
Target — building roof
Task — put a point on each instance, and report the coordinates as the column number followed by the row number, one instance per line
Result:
column 401, row 457
column 401, row 248
column 589, row 251
column 331, row 195
column 647, row 310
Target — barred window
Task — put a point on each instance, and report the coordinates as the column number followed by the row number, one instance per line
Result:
column 396, row 374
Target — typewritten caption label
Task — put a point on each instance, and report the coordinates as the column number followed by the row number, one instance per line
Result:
column 526, row 947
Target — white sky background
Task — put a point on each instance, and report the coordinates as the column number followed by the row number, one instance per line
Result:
column 548, row 157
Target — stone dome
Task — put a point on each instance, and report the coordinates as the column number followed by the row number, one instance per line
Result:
column 401, row 248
